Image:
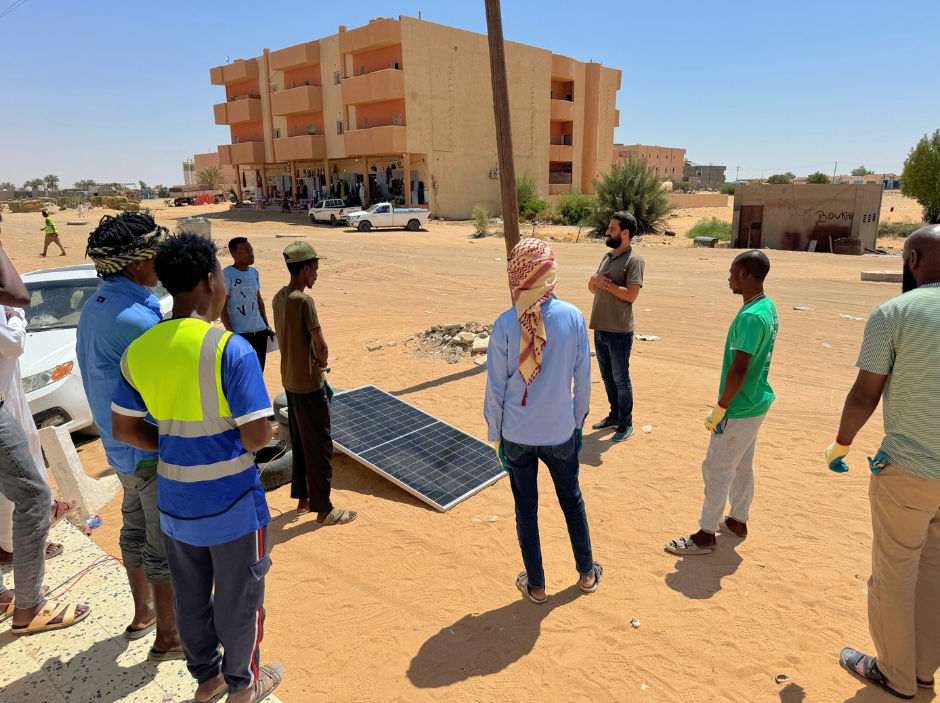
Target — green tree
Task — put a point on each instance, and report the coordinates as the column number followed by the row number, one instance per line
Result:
column 86, row 184
column 143, row 186
column 818, row 177
column 727, row 188
column 7, row 185
column 861, row 171
column 33, row 184
column 921, row 177
column 778, row 179
column 790, row 175
column 210, row 178
column 161, row 191
column 526, row 189
column 631, row 187
column 51, row 182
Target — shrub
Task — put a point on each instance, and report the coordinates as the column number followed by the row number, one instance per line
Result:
column 630, row 186
column 778, row 179
column 861, row 171
column 898, row 229
column 536, row 206
column 684, row 186
column 727, row 188
column 711, row 228
column 481, row 220
column 574, row 208
column 818, row 177
column 526, row 189
column 921, row 177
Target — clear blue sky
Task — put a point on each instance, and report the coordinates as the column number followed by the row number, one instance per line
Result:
column 119, row 91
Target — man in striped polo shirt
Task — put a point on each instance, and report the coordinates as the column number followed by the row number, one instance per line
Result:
column 900, row 363
column 204, row 388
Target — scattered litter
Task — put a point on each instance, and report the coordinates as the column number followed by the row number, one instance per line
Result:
column 760, row 564
column 849, row 317
column 691, row 296
column 497, row 259
column 93, row 522
column 484, row 518
column 647, row 428
column 828, row 346
column 781, row 678
column 648, row 338
column 480, row 360
column 593, row 353
column 634, row 622
column 711, row 303
column 803, row 308
column 450, row 631
column 648, row 310
column 644, row 687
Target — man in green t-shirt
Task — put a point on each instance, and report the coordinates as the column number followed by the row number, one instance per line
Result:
column 745, row 397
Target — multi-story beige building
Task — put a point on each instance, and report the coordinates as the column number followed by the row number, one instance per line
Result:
column 664, row 162
column 404, row 108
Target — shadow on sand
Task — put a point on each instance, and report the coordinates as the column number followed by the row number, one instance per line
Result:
column 699, row 577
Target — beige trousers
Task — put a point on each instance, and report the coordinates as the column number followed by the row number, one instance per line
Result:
column 904, row 588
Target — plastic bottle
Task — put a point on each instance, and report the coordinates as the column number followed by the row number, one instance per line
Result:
column 93, row 522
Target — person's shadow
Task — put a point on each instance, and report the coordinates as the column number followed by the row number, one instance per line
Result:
column 699, row 576
column 792, row 693
column 480, row 645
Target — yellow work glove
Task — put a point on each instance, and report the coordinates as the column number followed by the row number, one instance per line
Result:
column 501, row 455
column 835, row 455
column 714, row 418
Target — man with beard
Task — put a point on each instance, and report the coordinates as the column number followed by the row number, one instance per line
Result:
column 899, row 363
column 616, row 286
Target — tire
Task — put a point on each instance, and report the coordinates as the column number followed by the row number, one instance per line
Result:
column 413, row 226
column 333, row 220
column 365, row 226
column 278, row 470
column 280, row 402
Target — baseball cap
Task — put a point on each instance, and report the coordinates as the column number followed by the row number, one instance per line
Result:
column 299, row 251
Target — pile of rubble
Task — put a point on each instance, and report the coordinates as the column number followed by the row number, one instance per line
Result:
column 451, row 342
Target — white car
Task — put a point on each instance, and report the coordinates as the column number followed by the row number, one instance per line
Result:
column 52, row 379
column 333, row 210
column 386, row 215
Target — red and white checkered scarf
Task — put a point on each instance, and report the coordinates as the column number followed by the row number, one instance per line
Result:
column 531, row 280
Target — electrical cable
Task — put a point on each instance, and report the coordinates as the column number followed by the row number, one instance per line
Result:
column 81, row 574
column 12, row 7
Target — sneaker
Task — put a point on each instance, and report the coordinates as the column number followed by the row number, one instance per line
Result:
column 622, row 434
column 605, row 423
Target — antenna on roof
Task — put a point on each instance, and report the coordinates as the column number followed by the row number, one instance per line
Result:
column 227, row 60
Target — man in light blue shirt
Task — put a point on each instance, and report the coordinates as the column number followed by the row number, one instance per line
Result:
column 123, row 308
column 537, row 350
column 244, row 312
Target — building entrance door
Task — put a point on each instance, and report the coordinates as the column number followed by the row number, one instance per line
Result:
column 749, row 226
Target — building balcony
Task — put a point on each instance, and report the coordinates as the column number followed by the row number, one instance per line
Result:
column 562, row 68
column 562, row 111
column 376, row 141
column 388, row 84
column 559, row 188
column 375, row 35
column 305, row 147
column 241, row 153
column 235, row 72
column 306, row 98
column 616, row 118
column 560, row 152
column 293, row 57
column 238, row 111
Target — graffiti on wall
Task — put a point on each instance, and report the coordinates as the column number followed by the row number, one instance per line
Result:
column 823, row 216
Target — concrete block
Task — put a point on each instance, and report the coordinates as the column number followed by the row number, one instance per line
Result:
column 480, row 345
column 288, row 235
column 195, row 225
column 480, row 360
column 722, row 245
column 89, row 494
column 883, row 276
column 705, row 241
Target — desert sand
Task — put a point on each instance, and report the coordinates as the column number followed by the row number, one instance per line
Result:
column 408, row 604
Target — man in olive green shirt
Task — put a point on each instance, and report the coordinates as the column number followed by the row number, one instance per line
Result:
column 745, row 397
column 616, row 286
column 899, row 364
column 304, row 356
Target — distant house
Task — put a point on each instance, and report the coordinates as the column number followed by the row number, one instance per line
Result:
column 662, row 161
column 890, row 181
column 704, row 176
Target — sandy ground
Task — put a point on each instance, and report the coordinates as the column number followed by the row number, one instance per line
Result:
column 408, row 604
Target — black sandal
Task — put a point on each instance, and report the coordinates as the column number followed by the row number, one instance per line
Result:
column 850, row 658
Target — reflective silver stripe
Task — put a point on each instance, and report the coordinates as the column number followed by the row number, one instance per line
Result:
column 125, row 370
column 208, row 388
column 196, row 428
column 205, row 472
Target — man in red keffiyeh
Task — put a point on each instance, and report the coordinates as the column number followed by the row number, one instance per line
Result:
column 538, row 353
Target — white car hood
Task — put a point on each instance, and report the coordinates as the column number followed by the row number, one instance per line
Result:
column 47, row 349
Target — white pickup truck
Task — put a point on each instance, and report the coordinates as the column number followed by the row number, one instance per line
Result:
column 330, row 210
column 385, row 215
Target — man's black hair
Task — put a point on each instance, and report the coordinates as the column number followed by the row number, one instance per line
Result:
column 124, row 231
column 233, row 243
column 183, row 260
column 45, row 214
column 295, row 267
column 755, row 262
column 627, row 222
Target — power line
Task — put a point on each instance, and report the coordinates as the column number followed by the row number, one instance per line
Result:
column 12, row 7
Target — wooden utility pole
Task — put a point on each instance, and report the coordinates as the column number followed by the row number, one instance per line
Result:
column 507, row 171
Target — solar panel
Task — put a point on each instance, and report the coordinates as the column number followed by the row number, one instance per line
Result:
column 434, row 461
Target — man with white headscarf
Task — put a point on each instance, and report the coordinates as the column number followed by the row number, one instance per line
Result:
column 538, row 350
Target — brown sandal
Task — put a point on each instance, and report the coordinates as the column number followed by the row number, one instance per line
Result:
column 273, row 673
column 61, row 508
column 41, row 621
column 6, row 609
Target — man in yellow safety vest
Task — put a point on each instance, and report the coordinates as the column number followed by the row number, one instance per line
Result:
column 52, row 234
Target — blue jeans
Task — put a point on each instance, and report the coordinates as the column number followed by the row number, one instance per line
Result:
column 613, row 358
column 562, row 463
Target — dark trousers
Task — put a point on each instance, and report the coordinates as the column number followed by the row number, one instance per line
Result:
column 312, row 448
column 613, row 358
column 233, row 617
column 562, row 463
column 258, row 342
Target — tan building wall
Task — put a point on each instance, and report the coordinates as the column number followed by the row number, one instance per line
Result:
column 665, row 162
column 425, row 90
column 212, row 159
column 791, row 216
column 699, row 199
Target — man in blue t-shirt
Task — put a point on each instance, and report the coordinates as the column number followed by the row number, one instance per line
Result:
column 205, row 390
column 121, row 310
column 244, row 312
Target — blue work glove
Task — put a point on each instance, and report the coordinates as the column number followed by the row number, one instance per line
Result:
column 835, row 455
column 878, row 463
column 580, row 436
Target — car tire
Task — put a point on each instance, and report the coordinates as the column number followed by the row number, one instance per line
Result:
column 413, row 226
column 364, row 226
column 333, row 220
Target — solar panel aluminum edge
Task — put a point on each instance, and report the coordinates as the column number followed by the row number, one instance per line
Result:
column 362, row 453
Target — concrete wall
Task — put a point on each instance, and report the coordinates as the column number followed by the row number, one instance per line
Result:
column 794, row 215
column 699, row 200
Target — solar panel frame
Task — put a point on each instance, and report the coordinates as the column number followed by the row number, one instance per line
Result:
column 390, row 438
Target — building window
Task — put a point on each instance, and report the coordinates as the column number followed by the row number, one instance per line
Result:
column 293, row 84
column 235, row 139
column 396, row 120
column 365, row 121
column 306, row 83
column 277, row 134
column 566, row 139
column 339, row 127
column 553, row 95
column 273, row 87
column 395, row 65
column 362, row 70
column 336, row 78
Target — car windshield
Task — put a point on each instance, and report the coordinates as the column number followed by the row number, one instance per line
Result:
column 374, row 207
column 57, row 305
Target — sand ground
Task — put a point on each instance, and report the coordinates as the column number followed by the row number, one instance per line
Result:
column 408, row 604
